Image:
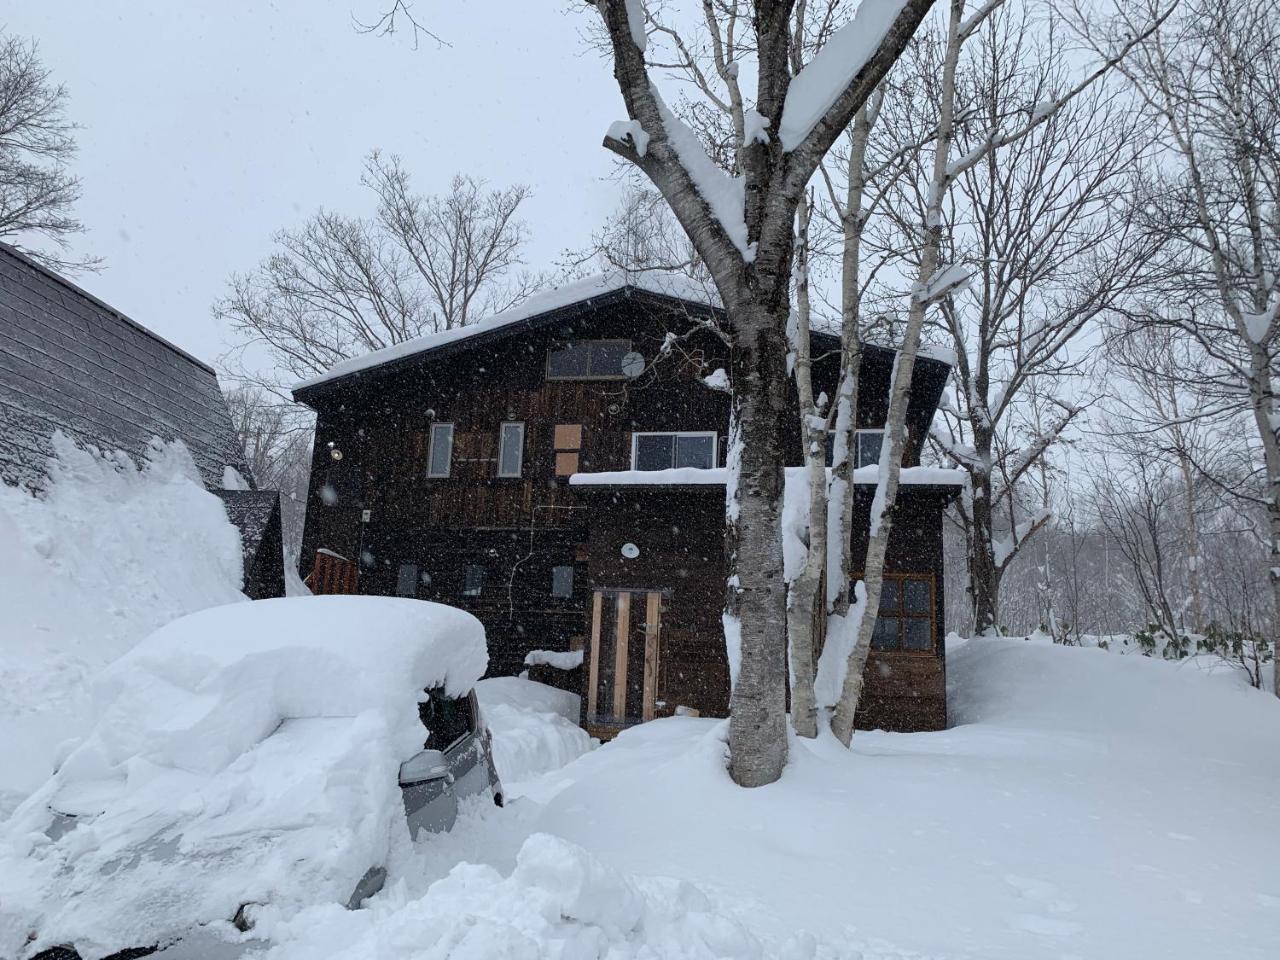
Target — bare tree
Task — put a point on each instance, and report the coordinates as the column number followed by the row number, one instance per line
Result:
column 37, row 147
column 339, row 286
column 1211, row 84
column 1040, row 204
column 741, row 224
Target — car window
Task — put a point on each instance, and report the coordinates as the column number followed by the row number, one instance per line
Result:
column 447, row 719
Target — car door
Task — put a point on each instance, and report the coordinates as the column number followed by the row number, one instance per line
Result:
column 451, row 765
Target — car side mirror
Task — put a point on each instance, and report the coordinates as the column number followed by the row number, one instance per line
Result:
column 424, row 766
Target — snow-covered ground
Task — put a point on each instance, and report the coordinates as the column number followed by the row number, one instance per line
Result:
column 111, row 552
column 1083, row 805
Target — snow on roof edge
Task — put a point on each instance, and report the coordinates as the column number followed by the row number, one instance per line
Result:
column 556, row 298
column 700, row 476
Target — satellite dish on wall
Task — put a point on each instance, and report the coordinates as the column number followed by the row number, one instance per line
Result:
column 632, row 364
column 630, row 551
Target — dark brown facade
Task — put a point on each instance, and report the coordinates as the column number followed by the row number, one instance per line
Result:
column 538, row 560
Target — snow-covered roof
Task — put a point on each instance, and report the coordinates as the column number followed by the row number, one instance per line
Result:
column 696, row 476
column 548, row 301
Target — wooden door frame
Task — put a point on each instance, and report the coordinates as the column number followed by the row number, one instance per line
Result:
column 652, row 625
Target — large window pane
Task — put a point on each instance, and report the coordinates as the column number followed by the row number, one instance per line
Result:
column 441, row 453
column 696, row 452
column 885, row 636
column 869, row 442
column 511, row 450
column 655, row 451
column 606, row 357
column 916, row 596
column 569, row 360
column 917, row 634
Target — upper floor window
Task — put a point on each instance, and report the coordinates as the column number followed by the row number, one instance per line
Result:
column 663, row 451
column 905, row 621
column 440, row 455
column 867, row 445
column 587, row 360
column 510, row 449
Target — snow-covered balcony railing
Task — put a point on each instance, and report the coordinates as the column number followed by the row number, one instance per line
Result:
column 698, row 476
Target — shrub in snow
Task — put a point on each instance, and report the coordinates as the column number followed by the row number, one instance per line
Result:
column 244, row 754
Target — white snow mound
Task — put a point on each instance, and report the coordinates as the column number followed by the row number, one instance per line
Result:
column 244, row 754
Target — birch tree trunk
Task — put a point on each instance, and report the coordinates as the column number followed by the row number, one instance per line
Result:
column 895, row 426
column 805, row 593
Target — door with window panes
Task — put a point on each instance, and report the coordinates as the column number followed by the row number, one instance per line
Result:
column 905, row 622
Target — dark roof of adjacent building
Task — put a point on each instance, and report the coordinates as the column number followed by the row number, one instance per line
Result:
column 250, row 511
column 70, row 362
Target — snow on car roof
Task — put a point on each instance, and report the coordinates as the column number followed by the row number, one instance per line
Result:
column 202, row 689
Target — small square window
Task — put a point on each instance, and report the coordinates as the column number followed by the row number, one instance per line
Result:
column 562, row 582
column 472, row 580
column 916, row 597
column 885, row 635
column 917, row 634
column 696, row 451
column 407, row 580
column 890, row 595
column 655, row 451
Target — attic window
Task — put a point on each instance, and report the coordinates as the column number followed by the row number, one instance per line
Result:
column 867, row 445
column 587, row 360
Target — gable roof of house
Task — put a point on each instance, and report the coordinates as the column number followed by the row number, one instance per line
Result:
column 542, row 309
column 70, row 362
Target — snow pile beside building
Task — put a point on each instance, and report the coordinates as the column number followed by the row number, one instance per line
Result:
column 244, row 755
column 535, row 728
column 108, row 553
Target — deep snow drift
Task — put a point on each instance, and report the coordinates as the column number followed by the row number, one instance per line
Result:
column 535, row 729
column 112, row 551
column 243, row 754
column 1083, row 806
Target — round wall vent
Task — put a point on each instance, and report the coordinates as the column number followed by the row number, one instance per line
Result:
column 630, row 551
column 632, row 364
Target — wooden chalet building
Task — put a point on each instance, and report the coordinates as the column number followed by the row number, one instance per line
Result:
column 556, row 472
column 70, row 362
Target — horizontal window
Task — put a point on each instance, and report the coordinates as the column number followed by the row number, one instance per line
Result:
column 587, row 360
column 663, row 451
column 906, row 617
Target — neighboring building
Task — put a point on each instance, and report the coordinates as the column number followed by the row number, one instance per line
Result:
column 558, row 472
column 70, row 362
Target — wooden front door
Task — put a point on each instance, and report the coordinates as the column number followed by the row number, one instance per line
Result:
column 622, row 681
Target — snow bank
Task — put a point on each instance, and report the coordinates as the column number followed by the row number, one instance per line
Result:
column 110, row 551
column 558, row 903
column 1082, row 804
column 534, row 726
column 245, row 754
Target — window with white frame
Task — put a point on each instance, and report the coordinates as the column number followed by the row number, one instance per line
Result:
column 440, row 454
column 510, row 449
column 663, row 451
column 868, row 446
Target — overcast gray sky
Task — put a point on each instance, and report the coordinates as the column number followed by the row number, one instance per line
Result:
column 207, row 125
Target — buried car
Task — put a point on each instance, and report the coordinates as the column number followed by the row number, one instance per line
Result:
column 263, row 754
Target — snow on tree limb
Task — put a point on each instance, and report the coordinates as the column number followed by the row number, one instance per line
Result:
column 816, row 88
